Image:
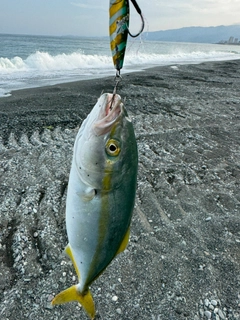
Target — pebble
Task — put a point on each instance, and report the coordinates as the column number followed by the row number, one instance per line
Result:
column 48, row 306
column 201, row 312
column 119, row 311
column 50, row 297
column 214, row 303
column 221, row 315
column 114, row 298
column 211, row 307
column 208, row 314
column 206, row 302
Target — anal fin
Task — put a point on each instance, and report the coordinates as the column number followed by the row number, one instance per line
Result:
column 124, row 243
column 68, row 251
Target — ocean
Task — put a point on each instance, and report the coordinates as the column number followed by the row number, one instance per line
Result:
column 32, row 61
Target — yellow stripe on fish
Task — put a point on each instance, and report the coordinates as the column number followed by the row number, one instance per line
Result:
column 113, row 149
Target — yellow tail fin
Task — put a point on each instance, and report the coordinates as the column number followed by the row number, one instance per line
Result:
column 72, row 294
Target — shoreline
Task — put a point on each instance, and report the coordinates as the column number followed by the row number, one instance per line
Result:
column 67, row 104
column 182, row 261
column 124, row 72
column 34, row 90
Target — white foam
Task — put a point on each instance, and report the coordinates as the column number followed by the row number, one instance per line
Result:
column 43, row 61
column 4, row 93
column 177, row 58
column 42, row 68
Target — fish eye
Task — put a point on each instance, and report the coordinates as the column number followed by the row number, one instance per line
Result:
column 112, row 148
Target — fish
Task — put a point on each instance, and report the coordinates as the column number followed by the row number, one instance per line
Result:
column 100, row 197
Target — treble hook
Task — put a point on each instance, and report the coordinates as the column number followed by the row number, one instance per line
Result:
column 143, row 23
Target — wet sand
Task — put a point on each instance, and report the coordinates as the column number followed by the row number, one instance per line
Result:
column 183, row 258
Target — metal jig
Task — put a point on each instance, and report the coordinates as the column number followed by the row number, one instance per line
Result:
column 119, row 31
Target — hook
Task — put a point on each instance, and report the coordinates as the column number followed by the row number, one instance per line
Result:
column 117, row 79
column 143, row 23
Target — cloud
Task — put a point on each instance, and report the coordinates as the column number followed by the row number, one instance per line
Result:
column 90, row 17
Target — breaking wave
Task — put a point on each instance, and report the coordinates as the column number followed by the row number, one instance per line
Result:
column 43, row 68
column 43, row 61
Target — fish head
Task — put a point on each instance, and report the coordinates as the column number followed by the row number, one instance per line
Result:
column 106, row 144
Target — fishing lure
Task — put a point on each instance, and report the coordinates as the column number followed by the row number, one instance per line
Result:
column 119, row 29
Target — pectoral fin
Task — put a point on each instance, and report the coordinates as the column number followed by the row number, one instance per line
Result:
column 72, row 294
column 88, row 195
column 125, row 241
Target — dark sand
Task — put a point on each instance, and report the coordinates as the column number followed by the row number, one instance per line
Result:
column 183, row 259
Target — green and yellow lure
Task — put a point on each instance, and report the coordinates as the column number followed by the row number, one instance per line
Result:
column 119, row 29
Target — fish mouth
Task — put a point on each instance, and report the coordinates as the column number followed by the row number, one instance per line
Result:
column 111, row 108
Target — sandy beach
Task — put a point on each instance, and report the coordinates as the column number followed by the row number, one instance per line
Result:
column 183, row 259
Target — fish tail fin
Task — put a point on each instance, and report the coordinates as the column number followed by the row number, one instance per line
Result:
column 72, row 294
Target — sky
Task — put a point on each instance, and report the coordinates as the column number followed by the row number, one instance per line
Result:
column 90, row 17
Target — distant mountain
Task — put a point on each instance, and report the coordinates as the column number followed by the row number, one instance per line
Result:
column 196, row 34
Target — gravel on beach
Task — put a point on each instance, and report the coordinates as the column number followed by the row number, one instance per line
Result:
column 183, row 259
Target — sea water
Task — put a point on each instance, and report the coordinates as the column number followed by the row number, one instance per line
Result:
column 32, row 61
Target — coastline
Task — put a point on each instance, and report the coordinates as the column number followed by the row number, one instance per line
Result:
column 183, row 256
column 78, row 97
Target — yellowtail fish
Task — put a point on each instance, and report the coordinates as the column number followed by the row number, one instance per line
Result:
column 100, row 198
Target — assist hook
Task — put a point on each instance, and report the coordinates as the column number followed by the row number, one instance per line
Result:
column 134, row 2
